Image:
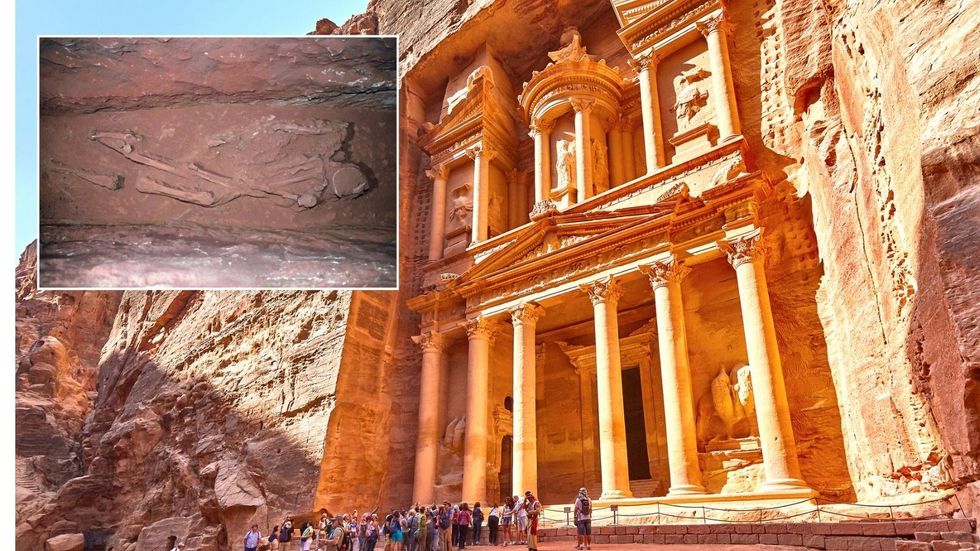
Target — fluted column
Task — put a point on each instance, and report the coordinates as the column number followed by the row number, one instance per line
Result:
column 653, row 139
column 604, row 294
column 583, row 148
column 479, row 332
column 541, row 133
column 525, row 460
column 682, row 445
column 427, row 439
column 715, row 30
column 481, row 156
column 439, row 175
column 768, row 388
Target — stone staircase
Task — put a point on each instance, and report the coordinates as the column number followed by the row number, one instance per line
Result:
column 886, row 535
column 647, row 487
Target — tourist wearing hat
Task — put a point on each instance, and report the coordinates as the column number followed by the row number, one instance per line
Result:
column 583, row 519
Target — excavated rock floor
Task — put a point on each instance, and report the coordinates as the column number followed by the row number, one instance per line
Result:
column 189, row 255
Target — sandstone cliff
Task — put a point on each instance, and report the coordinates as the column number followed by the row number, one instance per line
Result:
column 204, row 411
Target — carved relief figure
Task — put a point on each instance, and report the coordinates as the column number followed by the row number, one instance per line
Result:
column 454, row 436
column 600, row 166
column 727, row 411
column 462, row 208
column 691, row 96
column 566, row 163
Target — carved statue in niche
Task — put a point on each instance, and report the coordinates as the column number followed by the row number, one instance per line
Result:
column 727, row 410
column 600, row 166
column 565, row 163
column 691, row 96
column 454, row 435
column 462, row 207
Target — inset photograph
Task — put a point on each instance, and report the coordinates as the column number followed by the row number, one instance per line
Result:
column 203, row 163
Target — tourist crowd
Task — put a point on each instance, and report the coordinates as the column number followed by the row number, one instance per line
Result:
column 421, row 528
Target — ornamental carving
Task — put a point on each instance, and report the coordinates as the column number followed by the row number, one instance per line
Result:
column 600, row 166
column 603, row 290
column 542, row 208
column 744, row 248
column 573, row 50
column 528, row 313
column 565, row 163
column 462, row 206
column 481, row 328
column 712, row 23
column 691, row 96
column 664, row 272
column 430, row 341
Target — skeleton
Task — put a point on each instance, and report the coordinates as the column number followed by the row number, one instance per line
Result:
column 112, row 182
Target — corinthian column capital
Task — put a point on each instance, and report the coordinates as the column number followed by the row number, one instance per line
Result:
column 583, row 105
column 481, row 150
column 744, row 248
column 438, row 172
column 526, row 313
column 602, row 290
column 714, row 22
column 665, row 271
column 430, row 341
column 539, row 127
column 481, row 328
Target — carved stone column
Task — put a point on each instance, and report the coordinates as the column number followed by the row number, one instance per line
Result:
column 604, row 295
column 682, row 446
column 541, row 133
column 439, row 175
column 653, row 139
column 525, row 464
column 481, row 156
column 768, row 388
column 427, row 440
column 583, row 148
column 627, row 126
column 616, row 154
column 480, row 332
column 715, row 30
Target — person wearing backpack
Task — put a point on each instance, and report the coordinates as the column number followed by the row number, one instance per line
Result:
column 445, row 527
column 477, row 523
column 583, row 519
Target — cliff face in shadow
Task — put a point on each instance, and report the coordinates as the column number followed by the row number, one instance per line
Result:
column 148, row 414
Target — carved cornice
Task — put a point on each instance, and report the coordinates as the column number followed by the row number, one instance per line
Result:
column 661, row 21
column 603, row 290
column 744, row 248
column 481, row 328
column 526, row 313
column 664, row 272
column 430, row 341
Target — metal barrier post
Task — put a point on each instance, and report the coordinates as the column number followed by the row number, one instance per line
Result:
column 567, row 511
column 658, row 513
column 615, row 512
column 704, row 516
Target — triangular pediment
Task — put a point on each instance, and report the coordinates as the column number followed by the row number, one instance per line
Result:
column 563, row 233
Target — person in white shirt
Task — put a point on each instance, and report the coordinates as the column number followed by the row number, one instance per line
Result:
column 583, row 519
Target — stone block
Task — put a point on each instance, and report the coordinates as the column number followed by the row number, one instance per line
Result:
column 927, row 536
column 941, row 545
column 906, row 545
column 700, row 529
column 789, row 539
column 724, row 538
column 670, row 529
column 600, row 538
column 768, row 539
column 65, row 542
column 655, row 539
column 621, row 529
column 959, row 525
column 878, row 529
column 637, row 538
column 647, row 529
column 812, row 541
column 861, row 543
column 673, row 538
column 745, row 539
column 836, row 542
column 691, row 538
column 822, row 528
column 776, row 528
column 743, row 528
column 844, row 529
column 708, row 538
column 887, row 544
column 931, row 526
column 957, row 536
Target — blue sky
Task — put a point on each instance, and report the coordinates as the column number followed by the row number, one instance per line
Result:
column 134, row 17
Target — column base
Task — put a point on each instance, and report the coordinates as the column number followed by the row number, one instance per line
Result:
column 615, row 494
column 786, row 485
column 686, row 489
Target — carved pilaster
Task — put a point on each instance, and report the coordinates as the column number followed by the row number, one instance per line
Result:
column 744, row 249
column 602, row 290
column 665, row 271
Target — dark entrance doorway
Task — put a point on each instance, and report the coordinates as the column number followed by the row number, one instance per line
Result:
column 506, row 462
column 636, row 431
